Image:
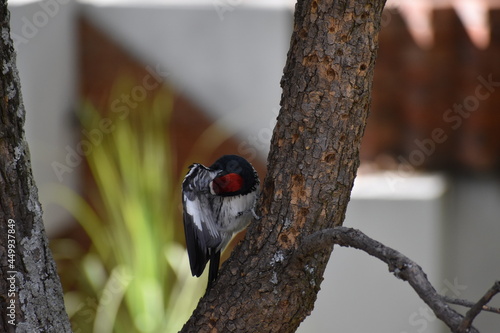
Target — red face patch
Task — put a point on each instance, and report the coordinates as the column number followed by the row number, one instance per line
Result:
column 231, row 182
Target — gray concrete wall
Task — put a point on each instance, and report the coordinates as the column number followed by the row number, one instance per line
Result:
column 44, row 39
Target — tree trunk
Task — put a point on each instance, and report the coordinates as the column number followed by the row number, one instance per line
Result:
column 266, row 285
column 32, row 298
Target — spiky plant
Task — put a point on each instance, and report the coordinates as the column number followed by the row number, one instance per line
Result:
column 135, row 276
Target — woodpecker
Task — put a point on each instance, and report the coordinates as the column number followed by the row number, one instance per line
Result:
column 218, row 202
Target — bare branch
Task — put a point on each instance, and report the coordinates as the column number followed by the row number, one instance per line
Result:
column 403, row 267
column 469, row 304
column 478, row 307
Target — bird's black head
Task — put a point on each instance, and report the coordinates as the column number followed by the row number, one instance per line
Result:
column 237, row 176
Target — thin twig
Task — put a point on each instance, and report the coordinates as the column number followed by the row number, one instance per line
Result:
column 469, row 304
column 403, row 267
column 476, row 309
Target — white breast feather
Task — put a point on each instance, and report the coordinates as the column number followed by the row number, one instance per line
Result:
column 236, row 213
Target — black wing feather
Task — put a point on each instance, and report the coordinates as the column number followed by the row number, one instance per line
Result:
column 213, row 269
column 200, row 212
column 198, row 254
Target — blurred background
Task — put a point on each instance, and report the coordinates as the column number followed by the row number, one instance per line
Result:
column 121, row 96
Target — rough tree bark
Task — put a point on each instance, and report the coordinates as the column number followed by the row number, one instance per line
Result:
column 32, row 298
column 266, row 286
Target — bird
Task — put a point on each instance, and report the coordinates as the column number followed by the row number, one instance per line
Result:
column 218, row 202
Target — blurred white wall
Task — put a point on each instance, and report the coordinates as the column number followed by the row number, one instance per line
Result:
column 228, row 57
column 472, row 240
column 44, row 39
column 450, row 228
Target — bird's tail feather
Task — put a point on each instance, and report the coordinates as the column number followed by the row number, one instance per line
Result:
column 213, row 269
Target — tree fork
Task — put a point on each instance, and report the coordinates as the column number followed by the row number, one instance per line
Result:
column 311, row 169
